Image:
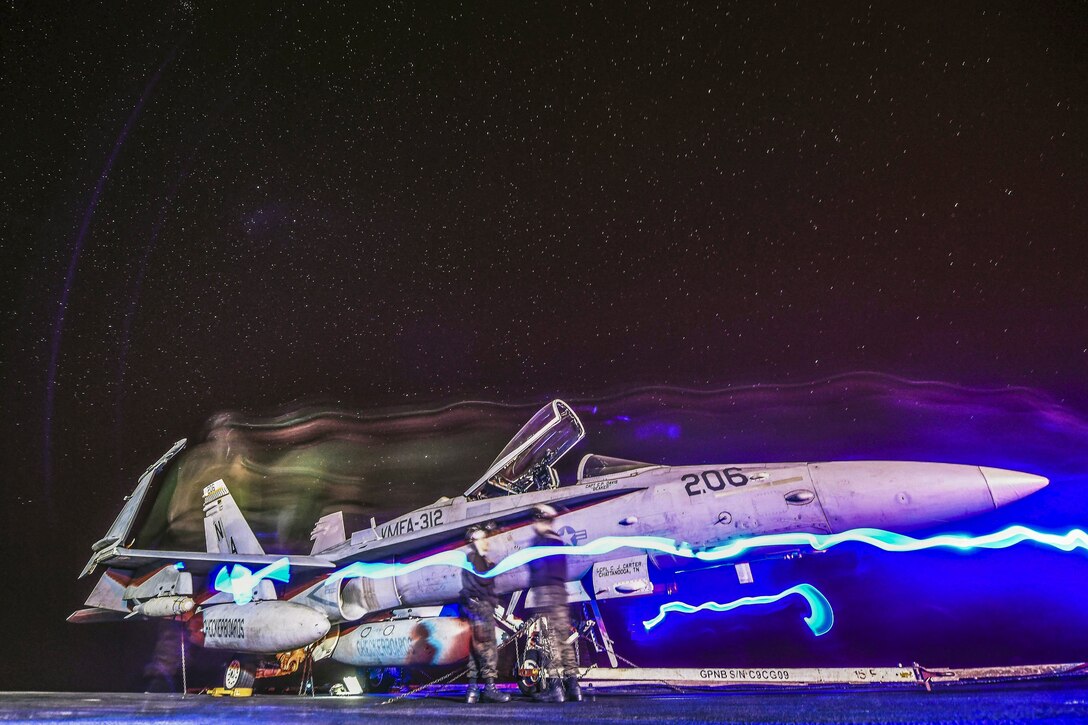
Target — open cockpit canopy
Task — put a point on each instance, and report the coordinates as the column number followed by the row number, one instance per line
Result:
column 526, row 461
column 593, row 466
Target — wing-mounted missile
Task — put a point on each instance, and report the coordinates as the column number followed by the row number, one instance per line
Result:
column 159, row 607
column 165, row 591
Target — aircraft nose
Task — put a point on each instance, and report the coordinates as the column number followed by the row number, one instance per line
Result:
column 1008, row 486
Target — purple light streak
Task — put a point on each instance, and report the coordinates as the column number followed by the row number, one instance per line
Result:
column 73, row 264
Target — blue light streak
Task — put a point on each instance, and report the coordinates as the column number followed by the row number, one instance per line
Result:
column 820, row 619
column 878, row 538
column 241, row 581
column 890, row 541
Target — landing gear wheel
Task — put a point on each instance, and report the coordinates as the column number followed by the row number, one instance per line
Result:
column 529, row 684
column 239, row 674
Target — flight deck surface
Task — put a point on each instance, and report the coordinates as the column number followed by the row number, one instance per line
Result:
column 1047, row 702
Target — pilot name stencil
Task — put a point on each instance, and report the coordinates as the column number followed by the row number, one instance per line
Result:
column 625, row 569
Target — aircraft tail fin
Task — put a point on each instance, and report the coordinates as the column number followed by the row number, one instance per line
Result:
column 328, row 532
column 225, row 529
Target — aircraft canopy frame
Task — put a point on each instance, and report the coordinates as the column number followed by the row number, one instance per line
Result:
column 527, row 459
column 596, row 466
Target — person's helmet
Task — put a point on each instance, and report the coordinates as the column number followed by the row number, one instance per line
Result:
column 544, row 512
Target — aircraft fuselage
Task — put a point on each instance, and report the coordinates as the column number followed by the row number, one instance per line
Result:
column 702, row 506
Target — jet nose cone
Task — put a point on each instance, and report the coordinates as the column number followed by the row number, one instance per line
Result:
column 1008, row 486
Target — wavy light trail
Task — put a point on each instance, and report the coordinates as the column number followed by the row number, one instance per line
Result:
column 53, row 366
column 820, row 620
column 241, row 581
column 879, row 538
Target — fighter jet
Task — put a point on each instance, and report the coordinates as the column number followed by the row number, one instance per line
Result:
column 227, row 596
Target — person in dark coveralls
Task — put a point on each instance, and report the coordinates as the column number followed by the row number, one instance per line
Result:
column 478, row 602
column 549, row 582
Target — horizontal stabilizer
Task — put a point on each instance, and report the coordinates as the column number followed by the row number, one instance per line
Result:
column 109, row 593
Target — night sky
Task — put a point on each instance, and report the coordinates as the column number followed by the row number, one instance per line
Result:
column 253, row 208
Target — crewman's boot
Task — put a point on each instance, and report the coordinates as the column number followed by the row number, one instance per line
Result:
column 472, row 694
column 553, row 692
column 492, row 693
column 574, row 690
